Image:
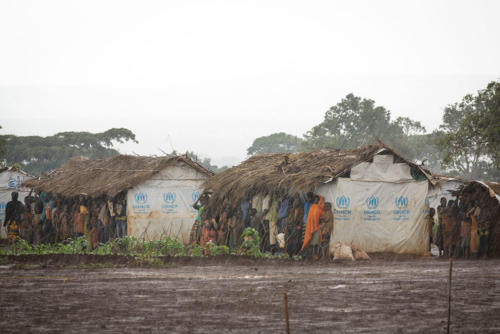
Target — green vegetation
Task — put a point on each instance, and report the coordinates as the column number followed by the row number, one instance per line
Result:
column 275, row 143
column 471, row 135
column 142, row 250
column 38, row 155
column 467, row 143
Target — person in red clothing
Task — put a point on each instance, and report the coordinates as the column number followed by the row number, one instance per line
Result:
column 312, row 237
column 208, row 234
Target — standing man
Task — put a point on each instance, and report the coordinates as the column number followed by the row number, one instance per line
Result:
column 13, row 212
column 307, row 201
column 294, row 228
column 121, row 217
column 441, row 211
column 326, row 228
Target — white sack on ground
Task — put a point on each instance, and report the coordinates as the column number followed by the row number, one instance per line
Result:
column 359, row 254
column 341, row 251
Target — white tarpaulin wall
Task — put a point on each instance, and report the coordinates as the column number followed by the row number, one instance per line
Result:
column 10, row 180
column 162, row 206
column 379, row 216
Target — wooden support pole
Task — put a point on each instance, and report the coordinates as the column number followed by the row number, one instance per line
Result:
column 449, row 297
column 287, row 323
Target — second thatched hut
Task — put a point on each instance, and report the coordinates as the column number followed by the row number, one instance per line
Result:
column 378, row 197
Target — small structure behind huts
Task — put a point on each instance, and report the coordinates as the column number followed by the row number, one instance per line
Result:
column 378, row 197
column 160, row 191
column 443, row 186
column 11, row 179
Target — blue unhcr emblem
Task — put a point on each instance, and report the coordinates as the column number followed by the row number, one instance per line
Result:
column 402, row 202
column 372, row 202
column 343, row 202
column 12, row 183
column 169, row 197
column 141, row 198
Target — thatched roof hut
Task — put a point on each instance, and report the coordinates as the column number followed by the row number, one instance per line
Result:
column 294, row 172
column 96, row 177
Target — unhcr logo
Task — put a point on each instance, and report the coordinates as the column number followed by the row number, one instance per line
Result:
column 343, row 202
column 141, row 198
column 402, row 202
column 372, row 202
column 12, row 183
column 169, row 197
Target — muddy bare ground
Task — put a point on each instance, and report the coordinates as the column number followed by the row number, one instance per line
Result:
column 383, row 295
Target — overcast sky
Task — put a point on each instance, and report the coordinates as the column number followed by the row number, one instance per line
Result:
column 211, row 76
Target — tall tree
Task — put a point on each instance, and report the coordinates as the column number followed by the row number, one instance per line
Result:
column 356, row 121
column 40, row 154
column 275, row 143
column 490, row 119
column 471, row 129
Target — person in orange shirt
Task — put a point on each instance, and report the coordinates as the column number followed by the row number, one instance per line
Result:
column 312, row 236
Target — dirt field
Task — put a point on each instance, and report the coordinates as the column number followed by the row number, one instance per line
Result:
column 387, row 296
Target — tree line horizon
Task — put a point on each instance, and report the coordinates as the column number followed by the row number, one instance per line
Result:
column 466, row 144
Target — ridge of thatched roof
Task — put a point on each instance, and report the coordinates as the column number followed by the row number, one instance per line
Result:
column 294, row 172
column 14, row 169
column 495, row 186
column 96, row 177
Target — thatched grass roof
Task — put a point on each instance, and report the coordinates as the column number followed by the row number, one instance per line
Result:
column 96, row 177
column 14, row 169
column 495, row 186
column 298, row 172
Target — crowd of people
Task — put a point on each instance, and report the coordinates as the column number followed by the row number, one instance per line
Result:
column 462, row 228
column 47, row 218
column 292, row 224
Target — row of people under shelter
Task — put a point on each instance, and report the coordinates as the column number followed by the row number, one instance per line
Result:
column 463, row 228
column 295, row 224
column 48, row 218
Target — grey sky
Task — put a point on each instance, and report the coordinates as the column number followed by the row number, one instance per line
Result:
column 210, row 76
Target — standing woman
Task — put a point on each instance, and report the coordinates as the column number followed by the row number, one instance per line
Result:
column 13, row 213
column 312, row 237
column 441, row 211
column 473, row 214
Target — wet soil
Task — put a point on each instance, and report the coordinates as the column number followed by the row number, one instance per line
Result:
column 401, row 295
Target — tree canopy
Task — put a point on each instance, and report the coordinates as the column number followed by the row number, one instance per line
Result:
column 356, row 121
column 41, row 154
column 471, row 135
column 275, row 143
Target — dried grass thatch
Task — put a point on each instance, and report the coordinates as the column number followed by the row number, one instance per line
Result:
column 495, row 186
column 96, row 177
column 298, row 172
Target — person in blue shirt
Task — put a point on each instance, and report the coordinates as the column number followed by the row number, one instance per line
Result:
column 307, row 201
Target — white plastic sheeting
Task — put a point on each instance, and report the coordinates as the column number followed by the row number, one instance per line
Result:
column 381, row 169
column 10, row 180
column 379, row 216
column 162, row 206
